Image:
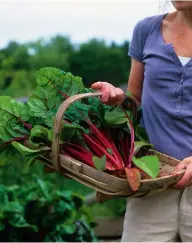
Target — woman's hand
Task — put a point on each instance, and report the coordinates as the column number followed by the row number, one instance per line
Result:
column 111, row 95
column 186, row 180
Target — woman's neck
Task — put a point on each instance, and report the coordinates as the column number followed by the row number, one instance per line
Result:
column 184, row 18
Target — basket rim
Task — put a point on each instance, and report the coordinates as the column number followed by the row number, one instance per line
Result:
column 123, row 180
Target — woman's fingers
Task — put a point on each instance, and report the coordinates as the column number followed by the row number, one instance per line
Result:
column 97, row 85
column 186, row 180
column 119, row 95
column 104, row 88
column 182, row 165
column 105, row 95
column 110, row 94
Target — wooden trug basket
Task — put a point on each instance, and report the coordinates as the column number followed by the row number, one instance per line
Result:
column 99, row 180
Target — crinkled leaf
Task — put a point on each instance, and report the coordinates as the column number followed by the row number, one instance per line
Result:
column 69, row 130
column 116, row 116
column 46, row 97
column 59, row 83
column 40, row 135
column 77, row 112
column 141, row 146
column 38, row 110
column 13, row 116
column 149, row 164
column 54, row 86
column 12, row 109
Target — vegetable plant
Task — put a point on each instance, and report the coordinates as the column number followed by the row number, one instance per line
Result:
column 37, row 212
column 108, row 138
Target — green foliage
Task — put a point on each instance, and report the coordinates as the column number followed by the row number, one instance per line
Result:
column 17, row 83
column 53, row 53
column 116, row 116
column 39, row 212
column 94, row 60
column 31, row 124
column 13, row 114
column 12, row 174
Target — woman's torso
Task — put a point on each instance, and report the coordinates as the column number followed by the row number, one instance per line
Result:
column 167, row 95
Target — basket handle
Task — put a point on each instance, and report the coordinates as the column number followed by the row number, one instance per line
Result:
column 57, row 125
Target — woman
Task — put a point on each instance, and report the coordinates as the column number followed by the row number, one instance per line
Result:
column 161, row 79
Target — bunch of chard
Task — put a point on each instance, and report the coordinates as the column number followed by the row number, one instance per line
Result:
column 103, row 137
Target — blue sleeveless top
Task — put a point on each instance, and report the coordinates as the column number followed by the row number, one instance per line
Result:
column 167, row 90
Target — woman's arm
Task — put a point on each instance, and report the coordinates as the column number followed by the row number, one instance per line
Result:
column 135, row 82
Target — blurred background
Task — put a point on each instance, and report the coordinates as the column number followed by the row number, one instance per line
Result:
column 88, row 38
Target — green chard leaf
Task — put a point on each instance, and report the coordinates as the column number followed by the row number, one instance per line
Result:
column 30, row 155
column 69, row 130
column 141, row 146
column 37, row 109
column 77, row 112
column 116, row 116
column 100, row 163
column 141, row 133
column 149, row 164
column 40, row 135
column 58, row 83
column 13, row 123
column 50, row 102
column 54, row 86
column 129, row 94
column 24, row 150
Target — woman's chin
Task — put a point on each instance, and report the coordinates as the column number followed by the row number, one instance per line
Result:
column 182, row 5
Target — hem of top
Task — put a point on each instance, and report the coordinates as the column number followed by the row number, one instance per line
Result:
column 135, row 56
